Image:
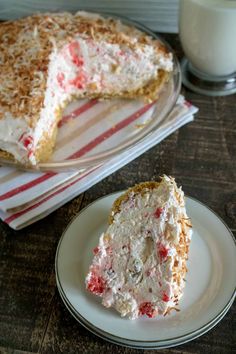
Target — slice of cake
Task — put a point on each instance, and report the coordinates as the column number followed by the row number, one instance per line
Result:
column 139, row 265
column 48, row 60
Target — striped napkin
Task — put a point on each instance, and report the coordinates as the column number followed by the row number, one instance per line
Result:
column 26, row 197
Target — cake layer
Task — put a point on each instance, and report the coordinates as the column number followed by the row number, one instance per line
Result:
column 139, row 264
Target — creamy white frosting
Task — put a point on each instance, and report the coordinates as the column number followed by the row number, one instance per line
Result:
column 136, row 254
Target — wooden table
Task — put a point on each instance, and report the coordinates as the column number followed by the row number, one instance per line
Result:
column 202, row 158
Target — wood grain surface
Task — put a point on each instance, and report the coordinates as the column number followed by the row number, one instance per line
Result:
column 202, row 158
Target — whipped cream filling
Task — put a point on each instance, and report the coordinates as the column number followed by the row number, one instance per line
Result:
column 15, row 137
column 88, row 66
column 133, row 264
column 19, row 139
column 81, row 67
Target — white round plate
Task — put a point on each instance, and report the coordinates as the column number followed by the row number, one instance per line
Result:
column 210, row 282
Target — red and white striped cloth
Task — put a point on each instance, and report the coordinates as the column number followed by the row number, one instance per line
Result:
column 26, row 197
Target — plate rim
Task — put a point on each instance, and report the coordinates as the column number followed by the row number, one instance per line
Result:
column 118, row 340
column 157, row 345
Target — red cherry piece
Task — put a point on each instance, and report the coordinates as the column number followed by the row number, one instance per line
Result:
column 74, row 50
column 146, row 308
column 165, row 298
column 60, row 79
column 78, row 61
column 96, row 250
column 96, row 284
column 163, row 252
column 78, row 81
column 27, row 141
column 158, row 212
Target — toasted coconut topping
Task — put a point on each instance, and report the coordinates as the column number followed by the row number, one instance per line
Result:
column 25, row 46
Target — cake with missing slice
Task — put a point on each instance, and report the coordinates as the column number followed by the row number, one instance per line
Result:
column 139, row 265
column 47, row 60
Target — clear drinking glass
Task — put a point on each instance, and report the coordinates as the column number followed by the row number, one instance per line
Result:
column 207, row 30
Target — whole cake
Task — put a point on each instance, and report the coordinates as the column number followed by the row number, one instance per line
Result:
column 47, row 60
column 139, row 265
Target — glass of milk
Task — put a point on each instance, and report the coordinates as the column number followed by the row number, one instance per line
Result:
column 207, row 30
